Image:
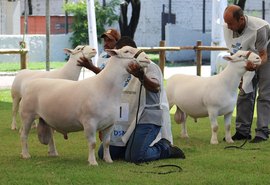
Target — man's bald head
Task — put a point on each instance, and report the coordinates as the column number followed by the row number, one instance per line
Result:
column 234, row 11
column 234, row 18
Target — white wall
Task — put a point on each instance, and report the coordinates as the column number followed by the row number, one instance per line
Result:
column 188, row 16
column 185, row 37
column 37, row 47
column 148, row 33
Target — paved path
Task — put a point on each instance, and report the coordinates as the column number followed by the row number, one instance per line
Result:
column 6, row 79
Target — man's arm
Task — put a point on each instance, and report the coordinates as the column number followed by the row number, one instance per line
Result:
column 261, row 45
column 84, row 62
column 263, row 55
column 150, row 84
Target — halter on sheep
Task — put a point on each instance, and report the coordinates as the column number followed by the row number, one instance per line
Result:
column 91, row 106
column 209, row 96
column 70, row 71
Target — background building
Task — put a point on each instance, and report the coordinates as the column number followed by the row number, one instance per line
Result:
column 192, row 21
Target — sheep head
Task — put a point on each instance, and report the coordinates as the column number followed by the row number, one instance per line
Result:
column 246, row 56
column 128, row 52
column 82, row 51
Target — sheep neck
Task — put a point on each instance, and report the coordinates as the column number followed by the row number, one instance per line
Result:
column 71, row 68
column 114, row 75
column 232, row 74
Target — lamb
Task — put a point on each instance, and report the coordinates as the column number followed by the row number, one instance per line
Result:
column 209, row 96
column 70, row 71
column 90, row 104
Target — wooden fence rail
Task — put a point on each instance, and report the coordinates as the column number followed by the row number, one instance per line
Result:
column 198, row 49
column 161, row 49
column 22, row 52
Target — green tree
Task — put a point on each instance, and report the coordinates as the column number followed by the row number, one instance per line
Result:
column 105, row 16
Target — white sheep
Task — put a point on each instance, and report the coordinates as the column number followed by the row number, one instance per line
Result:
column 69, row 106
column 212, row 96
column 70, row 71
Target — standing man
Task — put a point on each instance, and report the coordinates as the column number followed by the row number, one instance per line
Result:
column 110, row 37
column 250, row 33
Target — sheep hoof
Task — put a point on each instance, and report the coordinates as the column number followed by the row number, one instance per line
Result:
column 53, row 154
column 184, row 136
column 93, row 163
column 229, row 141
column 108, row 160
column 25, row 155
column 214, row 142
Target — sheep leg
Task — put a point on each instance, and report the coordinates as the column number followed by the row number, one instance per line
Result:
column 180, row 117
column 33, row 125
column 214, row 127
column 184, row 133
column 106, row 136
column 227, row 121
column 27, row 122
column 15, row 108
column 90, row 134
column 52, row 149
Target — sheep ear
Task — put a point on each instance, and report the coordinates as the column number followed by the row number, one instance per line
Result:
column 228, row 58
column 111, row 52
column 68, row 51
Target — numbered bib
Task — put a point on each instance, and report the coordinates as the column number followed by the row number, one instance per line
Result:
column 123, row 112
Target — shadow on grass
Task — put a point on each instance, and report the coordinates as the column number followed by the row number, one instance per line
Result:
column 5, row 105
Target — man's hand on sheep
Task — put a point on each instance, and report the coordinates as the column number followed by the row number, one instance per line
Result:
column 136, row 70
column 84, row 62
column 150, row 84
column 251, row 66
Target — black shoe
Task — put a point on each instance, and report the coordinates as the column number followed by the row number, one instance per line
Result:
column 239, row 136
column 174, row 151
column 165, row 141
column 257, row 139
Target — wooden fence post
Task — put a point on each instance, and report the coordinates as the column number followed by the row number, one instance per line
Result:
column 23, row 60
column 23, row 55
column 162, row 56
column 198, row 57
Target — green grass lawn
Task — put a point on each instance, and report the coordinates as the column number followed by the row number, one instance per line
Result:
column 15, row 66
column 204, row 164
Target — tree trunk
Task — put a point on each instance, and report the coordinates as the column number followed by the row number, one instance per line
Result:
column 240, row 3
column 30, row 7
column 125, row 28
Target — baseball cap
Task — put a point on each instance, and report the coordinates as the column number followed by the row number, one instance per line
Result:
column 112, row 34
